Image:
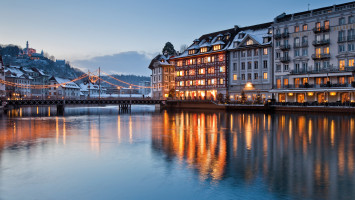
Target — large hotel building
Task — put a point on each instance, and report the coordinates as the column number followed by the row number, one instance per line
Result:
column 300, row 57
column 202, row 69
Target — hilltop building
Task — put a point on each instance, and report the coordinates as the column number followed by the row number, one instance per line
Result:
column 250, row 66
column 314, row 55
column 202, row 69
column 163, row 76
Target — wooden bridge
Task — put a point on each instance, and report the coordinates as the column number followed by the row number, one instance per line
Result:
column 123, row 104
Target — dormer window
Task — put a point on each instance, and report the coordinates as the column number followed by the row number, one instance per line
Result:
column 203, row 49
column 250, row 42
column 241, row 36
column 191, row 51
column 227, row 37
column 269, row 31
column 266, row 39
column 219, row 38
column 216, row 47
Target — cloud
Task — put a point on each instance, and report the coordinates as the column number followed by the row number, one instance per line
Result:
column 130, row 62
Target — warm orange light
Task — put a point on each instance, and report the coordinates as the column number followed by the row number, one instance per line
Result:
column 310, row 94
column 290, row 94
column 333, row 93
column 248, row 85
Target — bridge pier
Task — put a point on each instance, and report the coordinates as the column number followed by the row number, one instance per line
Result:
column 124, row 107
column 60, row 109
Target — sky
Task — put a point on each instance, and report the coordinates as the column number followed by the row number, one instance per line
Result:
column 86, row 32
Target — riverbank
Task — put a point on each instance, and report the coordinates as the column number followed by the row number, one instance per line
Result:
column 209, row 105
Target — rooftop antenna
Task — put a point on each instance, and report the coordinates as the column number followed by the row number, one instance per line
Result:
column 308, row 6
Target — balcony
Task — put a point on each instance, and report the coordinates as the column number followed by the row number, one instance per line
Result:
column 285, row 35
column 309, row 86
column 299, row 45
column 342, row 39
column 321, row 29
column 277, row 36
column 321, row 42
column 320, row 56
column 285, row 59
column 285, row 47
column 329, row 69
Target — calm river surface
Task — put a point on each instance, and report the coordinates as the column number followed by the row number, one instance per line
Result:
column 96, row 153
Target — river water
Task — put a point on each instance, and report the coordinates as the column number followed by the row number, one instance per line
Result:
column 99, row 153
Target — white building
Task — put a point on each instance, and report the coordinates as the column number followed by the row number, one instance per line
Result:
column 144, row 87
column 90, row 90
column 314, row 55
column 14, row 74
column 250, row 65
column 66, row 89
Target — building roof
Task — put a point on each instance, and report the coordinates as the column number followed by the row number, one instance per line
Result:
column 161, row 60
column 66, row 82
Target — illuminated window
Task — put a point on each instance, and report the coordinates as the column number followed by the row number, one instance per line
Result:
column 198, row 60
column 234, row 77
column 181, row 73
column 305, row 27
column 305, row 80
column 202, row 82
column 221, row 57
column 351, row 63
column 285, row 82
column 216, row 47
column 326, row 25
column 181, row 83
column 213, row 81
column 179, row 63
column 265, row 51
column 341, row 64
column 297, row 29
column 256, row 76
column 278, row 83
column 250, row 42
column 191, row 51
column 203, row 49
column 342, row 80
column 201, row 71
column 265, row 75
column 211, row 70
column 221, row 81
column 326, row 50
column 222, row 69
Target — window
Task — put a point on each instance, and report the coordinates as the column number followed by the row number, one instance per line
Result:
column 285, row 67
column 278, row 83
column 265, row 64
column 318, row 26
column 198, row 60
column 234, row 66
column 256, row 52
column 341, row 64
column 243, row 65
column 265, row 51
column 278, row 54
column 286, row 30
column 211, row 70
column 221, row 81
column 297, row 29
column 256, row 65
column 243, row 54
column 285, row 82
column 250, row 42
column 243, row 77
column 317, row 66
column 256, row 76
column 326, row 50
column 249, row 65
column 351, row 63
column 305, row 52
column 297, row 41
column 201, row 71
column 278, row 68
column 249, row 53
column 297, row 52
column 234, row 77
column 222, row 69
column 249, row 76
column 221, row 58
column 351, row 20
column 203, row 49
column 341, row 48
column 305, row 27
column 326, row 64
column 326, row 25
column 216, row 47
column 341, row 21
column 265, row 75
column 304, row 40
column 278, row 43
column 191, row 51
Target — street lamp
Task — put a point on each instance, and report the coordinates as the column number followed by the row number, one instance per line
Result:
column 130, row 91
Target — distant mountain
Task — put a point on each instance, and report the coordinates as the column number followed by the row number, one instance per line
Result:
column 132, row 79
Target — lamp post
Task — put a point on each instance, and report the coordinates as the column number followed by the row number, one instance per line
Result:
column 130, row 91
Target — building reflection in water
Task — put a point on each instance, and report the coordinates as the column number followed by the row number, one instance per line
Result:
column 309, row 156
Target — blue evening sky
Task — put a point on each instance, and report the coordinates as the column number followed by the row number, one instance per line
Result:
column 83, row 29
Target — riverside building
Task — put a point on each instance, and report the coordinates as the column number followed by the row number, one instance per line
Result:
column 250, row 66
column 163, row 77
column 314, row 54
column 2, row 77
column 201, row 70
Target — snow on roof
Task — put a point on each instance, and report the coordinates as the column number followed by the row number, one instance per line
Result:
column 257, row 35
column 67, row 82
column 85, row 87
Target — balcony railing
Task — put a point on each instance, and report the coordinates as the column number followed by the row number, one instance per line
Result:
column 320, row 56
column 310, row 86
column 330, row 69
column 277, row 36
column 285, row 59
column 285, row 47
column 342, row 39
column 321, row 42
column 351, row 38
column 321, row 29
column 285, row 35
column 299, row 45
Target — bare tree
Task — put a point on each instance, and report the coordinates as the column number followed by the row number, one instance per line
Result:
column 183, row 48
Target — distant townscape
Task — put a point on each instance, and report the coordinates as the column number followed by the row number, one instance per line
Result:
column 300, row 57
column 24, row 73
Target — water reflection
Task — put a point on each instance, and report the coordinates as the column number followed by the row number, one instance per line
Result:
column 305, row 156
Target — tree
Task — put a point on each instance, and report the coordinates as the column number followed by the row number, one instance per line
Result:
column 183, row 48
column 169, row 49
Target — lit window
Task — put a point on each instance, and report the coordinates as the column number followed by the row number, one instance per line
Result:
column 250, row 42
column 202, row 71
column 326, row 50
column 234, row 77
column 351, row 62
column 221, row 57
column 341, row 64
column 222, row 69
column 191, row 51
column 221, row 81
column 265, row 75
column 203, row 49
column 265, row 51
column 216, row 47
column 305, row 27
column 297, row 29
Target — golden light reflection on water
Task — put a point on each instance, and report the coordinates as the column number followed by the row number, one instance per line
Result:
column 302, row 148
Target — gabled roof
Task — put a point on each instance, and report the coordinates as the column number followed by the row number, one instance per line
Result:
column 66, row 82
column 161, row 59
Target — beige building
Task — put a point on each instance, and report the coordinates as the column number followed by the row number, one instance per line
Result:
column 163, row 77
column 314, row 54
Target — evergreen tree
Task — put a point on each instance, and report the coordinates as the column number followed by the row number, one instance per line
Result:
column 169, row 48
